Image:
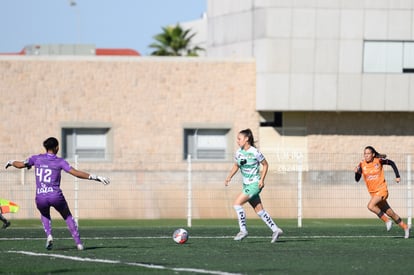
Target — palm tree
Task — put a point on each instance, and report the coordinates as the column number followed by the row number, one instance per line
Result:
column 174, row 41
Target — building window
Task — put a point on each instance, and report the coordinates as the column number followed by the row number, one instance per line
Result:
column 206, row 144
column 86, row 143
column 388, row 56
column 275, row 121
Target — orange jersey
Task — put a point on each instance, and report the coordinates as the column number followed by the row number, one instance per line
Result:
column 373, row 175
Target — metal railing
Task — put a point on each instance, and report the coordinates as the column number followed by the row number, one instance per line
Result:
column 161, row 187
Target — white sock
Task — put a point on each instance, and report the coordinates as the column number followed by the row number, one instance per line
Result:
column 268, row 220
column 241, row 215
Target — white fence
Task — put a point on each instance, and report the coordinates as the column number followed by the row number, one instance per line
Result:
column 297, row 186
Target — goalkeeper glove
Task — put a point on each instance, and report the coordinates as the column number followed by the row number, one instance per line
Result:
column 104, row 180
column 8, row 164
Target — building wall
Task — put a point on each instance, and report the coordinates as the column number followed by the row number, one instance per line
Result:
column 343, row 133
column 309, row 57
column 147, row 101
column 310, row 54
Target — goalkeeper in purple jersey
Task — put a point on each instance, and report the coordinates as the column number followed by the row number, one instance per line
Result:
column 48, row 169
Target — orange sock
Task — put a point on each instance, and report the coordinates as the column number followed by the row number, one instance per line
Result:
column 403, row 225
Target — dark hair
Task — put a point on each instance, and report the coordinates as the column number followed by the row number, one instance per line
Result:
column 376, row 154
column 249, row 134
column 50, row 143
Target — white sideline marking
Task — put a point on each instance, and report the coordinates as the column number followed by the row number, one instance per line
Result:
column 73, row 258
column 214, row 237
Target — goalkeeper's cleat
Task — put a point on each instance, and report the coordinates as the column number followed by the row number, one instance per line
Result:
column 49, row 242
column 406, row 233
column 79, row 247
column 5, row 225
column 388, row 225
column 276, row 235
column 241, row 235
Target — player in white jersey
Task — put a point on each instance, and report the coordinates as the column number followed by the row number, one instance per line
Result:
column 248, row 159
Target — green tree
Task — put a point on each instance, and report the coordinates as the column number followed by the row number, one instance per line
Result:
column 174, row 41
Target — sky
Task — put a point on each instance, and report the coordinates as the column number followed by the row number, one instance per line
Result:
column 104, row 23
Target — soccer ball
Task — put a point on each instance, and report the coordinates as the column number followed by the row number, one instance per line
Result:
column 180, row 236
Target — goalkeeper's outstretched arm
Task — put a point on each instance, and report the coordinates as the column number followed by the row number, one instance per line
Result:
column 74, row 172
column 84, row 175
column 17, row 164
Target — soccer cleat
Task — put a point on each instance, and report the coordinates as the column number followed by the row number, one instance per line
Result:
column 49, row 242
column 406, row 233
column 388, row 225
column 79, row 247
column 5, row 225
column 276, row 235
column 241, row 235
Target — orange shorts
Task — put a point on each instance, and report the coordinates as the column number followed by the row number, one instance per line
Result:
column 383, row 193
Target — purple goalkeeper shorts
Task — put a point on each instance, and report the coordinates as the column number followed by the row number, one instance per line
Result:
column 57, row 201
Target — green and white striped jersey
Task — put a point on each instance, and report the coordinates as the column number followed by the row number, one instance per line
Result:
column 249, row 164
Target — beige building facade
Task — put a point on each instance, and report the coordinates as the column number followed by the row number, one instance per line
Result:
column 145, row 102
column 145, row 107
column 140, row 118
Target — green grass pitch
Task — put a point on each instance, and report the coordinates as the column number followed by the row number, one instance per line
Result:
column 331, row 246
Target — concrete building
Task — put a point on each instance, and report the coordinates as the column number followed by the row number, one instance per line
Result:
column 316, row 81
column 134, row 119
column 334, row 70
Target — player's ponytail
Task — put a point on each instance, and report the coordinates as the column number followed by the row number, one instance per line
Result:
column 375, row 153
column 249, row 134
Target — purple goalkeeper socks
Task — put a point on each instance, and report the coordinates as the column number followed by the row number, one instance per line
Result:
column 73, row 228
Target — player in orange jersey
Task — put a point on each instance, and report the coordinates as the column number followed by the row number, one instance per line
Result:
column 371, row 168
